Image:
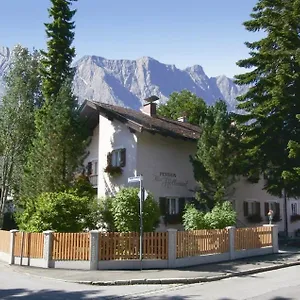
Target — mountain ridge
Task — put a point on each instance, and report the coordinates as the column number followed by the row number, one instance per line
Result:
column 127, row 82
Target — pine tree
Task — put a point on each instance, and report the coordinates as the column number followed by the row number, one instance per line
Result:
column 23, row 97
column 57, row 60
column 59, row 143
column 273, row 100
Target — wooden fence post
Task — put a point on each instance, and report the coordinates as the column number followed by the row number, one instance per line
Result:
column 231, row 236
column 172, row 242
column 12, row 246
column 94, row 249
column 48, row 236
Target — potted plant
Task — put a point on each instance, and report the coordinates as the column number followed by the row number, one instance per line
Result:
column 110, row 169
column 113, row 171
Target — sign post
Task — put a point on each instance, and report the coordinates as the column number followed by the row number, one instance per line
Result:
column 141, row 196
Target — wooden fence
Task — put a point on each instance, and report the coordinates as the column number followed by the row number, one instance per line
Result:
column 253, row 237
column 29, row 244
column 71, row 246
column 4, row 241
column 199, row 242
column 124, row 246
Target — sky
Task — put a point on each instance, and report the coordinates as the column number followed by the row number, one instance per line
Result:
column 180, row 32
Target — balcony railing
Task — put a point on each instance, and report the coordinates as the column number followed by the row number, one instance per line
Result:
column 94, row 180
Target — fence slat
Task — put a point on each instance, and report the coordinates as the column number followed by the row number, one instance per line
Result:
column 198, row 242
column 4, row 241
column 252, row 238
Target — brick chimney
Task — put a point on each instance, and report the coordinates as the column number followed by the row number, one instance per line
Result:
column 149, row 107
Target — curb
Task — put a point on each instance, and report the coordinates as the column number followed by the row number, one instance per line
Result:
column 188, row 280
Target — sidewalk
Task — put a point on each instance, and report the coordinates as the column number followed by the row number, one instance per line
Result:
column 202, row 273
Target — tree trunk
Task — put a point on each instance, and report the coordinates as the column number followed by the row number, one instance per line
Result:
column 286, row 228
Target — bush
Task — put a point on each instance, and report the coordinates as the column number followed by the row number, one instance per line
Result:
column 106, row 214
column 221, row 216
column 125, row 211
column 193, row 218
column 62, row 212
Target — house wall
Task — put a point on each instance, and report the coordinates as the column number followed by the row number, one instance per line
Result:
column 92, row 148
column 114, row 135
column 165, row 166
column 247, row 191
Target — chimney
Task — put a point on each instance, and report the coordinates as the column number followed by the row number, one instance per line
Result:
column 149, row 108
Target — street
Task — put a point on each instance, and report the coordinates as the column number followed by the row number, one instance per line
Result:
column 282, row 284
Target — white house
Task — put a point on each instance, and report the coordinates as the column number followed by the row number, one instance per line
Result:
column 126, row 142
column 141, row 142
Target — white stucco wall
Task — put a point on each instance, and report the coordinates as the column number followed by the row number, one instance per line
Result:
column 247, row 191
column 114, row 135
column 157, row 154
column 92, row 148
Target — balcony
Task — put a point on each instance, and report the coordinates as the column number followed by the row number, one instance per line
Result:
column 94, row 180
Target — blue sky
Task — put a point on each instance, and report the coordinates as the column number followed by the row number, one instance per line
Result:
column 181, row 32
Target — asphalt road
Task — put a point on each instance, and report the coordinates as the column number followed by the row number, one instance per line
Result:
column 282, row 284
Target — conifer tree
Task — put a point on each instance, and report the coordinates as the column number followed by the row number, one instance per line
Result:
column 59, row 143
column 273, row 100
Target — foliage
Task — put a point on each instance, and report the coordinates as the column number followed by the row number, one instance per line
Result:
column 193, row 219
column 58, row 147
column 182, row 104
column 57, row 60
column 62, row 212
column 113, row 170
column 106, row 214
column 271, row 105
column 216, row 161
column 59, row 144
column 125, row 210
column 22, row 98
column 82, row 187
column 221, row 216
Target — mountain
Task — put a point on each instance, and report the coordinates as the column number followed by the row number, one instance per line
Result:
column 5, row 55
column 128, row 82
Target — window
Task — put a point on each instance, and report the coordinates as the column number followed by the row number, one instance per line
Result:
column 92, row 168
column 294, row 207
column 272, row 205
column 96, row 167
column 117, row 158
column 173, row 206
column 251, row 208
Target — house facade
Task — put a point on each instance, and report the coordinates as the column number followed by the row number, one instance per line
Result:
column 126, row 143
column 253, row 203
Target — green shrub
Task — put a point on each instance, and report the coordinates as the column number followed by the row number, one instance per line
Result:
column 62, row 212
column 193, row 219
column 221, row 216
column 125, row 211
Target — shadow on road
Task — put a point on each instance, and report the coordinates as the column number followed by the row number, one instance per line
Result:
column 6, row 294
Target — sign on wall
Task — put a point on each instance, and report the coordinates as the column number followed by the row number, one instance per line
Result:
column 169, row 180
